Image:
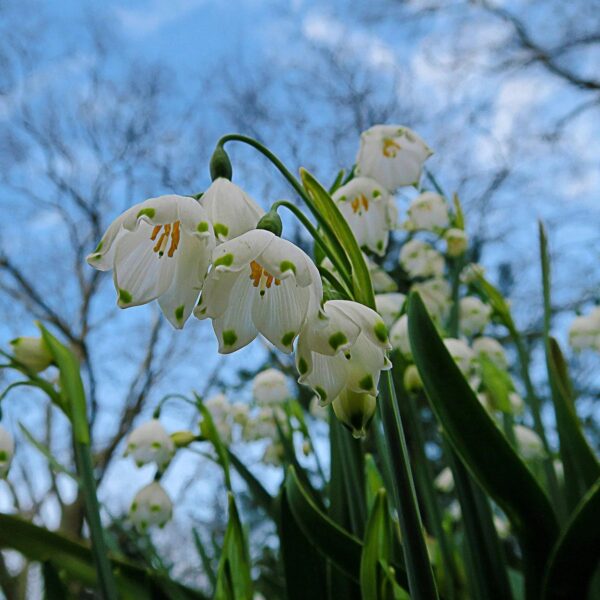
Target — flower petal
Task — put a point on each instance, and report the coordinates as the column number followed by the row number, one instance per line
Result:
column 327, row 376
column 238, row 253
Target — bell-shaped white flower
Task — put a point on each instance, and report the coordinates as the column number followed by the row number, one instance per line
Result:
column 412, row 379
column 32, row 352
column 463, row 356
column 259, row 283
column 346, row 350
column 435, row 294
column 444, row 481
column 492, row 349
column 7, row 451
column 474, row 315
column 399, row 337
column 355, row 410
column 456, row 242
column 420, row 259
column 516, row 403
column 150, row 443
column 158, row 249
column 219, row 408
column 391, row 154
column 230, row 210
column 151, row 506
column 270, row 387
column 584, row 333
column 370, row 211
column 428, row 212
column 529, row 442
column 390, row 306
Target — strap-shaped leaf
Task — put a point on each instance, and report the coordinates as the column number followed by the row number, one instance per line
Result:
column 575, row 556
column 482, row 446
column 258, row 491
column 361, row 280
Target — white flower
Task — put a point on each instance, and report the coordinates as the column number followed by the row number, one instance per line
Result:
column 239, row 413
column 7, row 451
column 32, row 352
column 161, row 249
column 427, row 212
column 392, row 155
column 463, row 356
column 444, row 481
column 270, row 387
column 472, row 272
column 502, row 527
column 399, row 336
column 492, row 349
column 219, row 408
column 420, row 259
column 435, row 294
column 584, row 333
column 456, row 242
column 151, row 506
column 382, row 282
column 516, row 403
column 344, row 351
column 259, row 283
column 389, row 306
column 150, row 443
column 231, row 211
column 529, row 442
column 369, row 210
column 273, row 454
column 412, row 379
column 355, row 410
column 474, row 315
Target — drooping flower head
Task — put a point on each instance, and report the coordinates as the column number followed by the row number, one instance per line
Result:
column 32, row 352
column 491, row 349
column 151, row 506
column 456, row 242
column 369, row 210
column 270, row 388
column 391, row 154
column 389, row 306
column 428, row 212
column 344, row 351
column 7, row 451
column 231, row 211
column 420, row 259
column 584, row 332
column 355, row 410
column 474, row 315
column 399, row 337
column 259, row 283
column 150, row 443
column 435, row 294
column 158, row 249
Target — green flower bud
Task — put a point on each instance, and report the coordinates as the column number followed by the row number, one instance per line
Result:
column 220, row 165
column 271, row 222
column 355, row 410
column 32, row 352
column 182, row 439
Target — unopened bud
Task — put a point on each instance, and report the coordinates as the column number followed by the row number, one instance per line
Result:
column 182, row 439
column 220, row 165
column 32, row 352
column 355, row 410
column 412, row 379
column 271, row 222
column 456, row 242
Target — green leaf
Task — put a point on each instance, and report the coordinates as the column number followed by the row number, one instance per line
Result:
column 361, row 280
column 258, row 491
column 575, row 556
column 233, row 576
column 205, row 558
column 76, row 561
column 374, row 481
column 54, row 588
column 498, row 384
column 482, row 446
column 305, row 573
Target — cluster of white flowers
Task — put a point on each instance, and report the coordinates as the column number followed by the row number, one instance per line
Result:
column 584, row 333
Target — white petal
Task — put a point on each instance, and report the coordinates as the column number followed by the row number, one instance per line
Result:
column 327, row 377
column 335, row 334
column 366, row 361
column 156, row 211
column 371, row 324
column 282, row 259
column 215, row 294
column 238, row 253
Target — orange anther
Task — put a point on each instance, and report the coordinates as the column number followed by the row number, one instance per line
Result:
column 256, row 273
column 175, row 236
column 390, row 148
column 155, row 231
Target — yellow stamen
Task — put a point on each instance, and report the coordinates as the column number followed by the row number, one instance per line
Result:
column 169, row 230
column 357, row 202
column 261, row 277
column 390, row 148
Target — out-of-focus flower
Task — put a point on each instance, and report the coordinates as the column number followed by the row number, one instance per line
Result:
column 420, row 259
column 412, row 379
column 389, row 306
column 346, row 350
column 444, row 481
column 369, row 210
column 231, row 211
column 150, row 443
column 219, row 408
column 474, row 315
column 273, row 454
column 584, row 333
column 355, row 410
column 472, row 272
column 7, row 451
column 399, row 337
column 529, row 442
column 427, row 212
column 263, row 424
column 270, row 387
column 392, row 155
column 382, row 282
column 516, row 403
column 239, row 412
column 463, row 356
column 32, row 352
column 317, row 410
column 502, row 526
column 158, row 249
column 456, row 242
column 259, row 283
column 492, row 349
column 435, row 294
column 151, row 506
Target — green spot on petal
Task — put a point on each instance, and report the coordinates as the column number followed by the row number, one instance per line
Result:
column 179, row 312
column 337, row 339
column 202, row 227
column 99, row 246
column 220, row 229
column 3, row 455
column 155, row 508
column 288, row 338
column 380, row 245
column 225, row 260
column 302, row 366
column 287, row 265
column 125, row 297
column 381, row 332
column 156, row 445
column 376, row 193
column 322, row 393
column 148, row 212
column 366, row 383
column 229, row 337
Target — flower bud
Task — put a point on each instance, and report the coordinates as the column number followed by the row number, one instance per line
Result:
column 456, row 242
column 7, row 451
column 412, row 379
column 529, row 442
column 150, row 443
column 151, row 506
column 182, row 439
column 32, row 352
column 220, row 165
column 399, row 336
column 444, row 482
column 355, row 410
column 271, row 221
column 270, row 387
